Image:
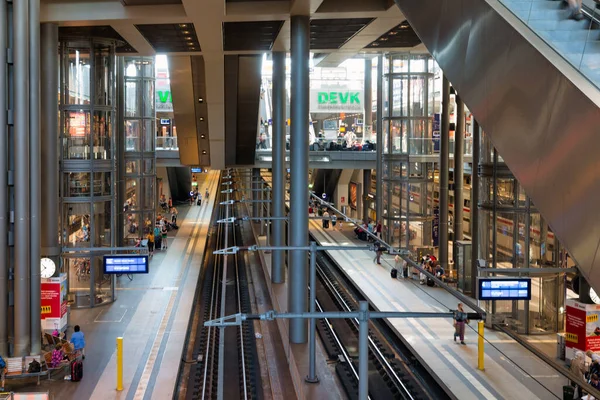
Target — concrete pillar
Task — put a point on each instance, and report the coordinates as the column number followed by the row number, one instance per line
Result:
column 444, row 159
column 459, row 173
column 279, row 170
column 379, row 183
column 300, row 83
column 368, row 122
column 4, row 22
column 22, row 281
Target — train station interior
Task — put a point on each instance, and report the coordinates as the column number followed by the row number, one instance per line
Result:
column 299, row 199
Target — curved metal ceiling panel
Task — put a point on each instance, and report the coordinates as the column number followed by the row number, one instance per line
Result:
column 542, row 116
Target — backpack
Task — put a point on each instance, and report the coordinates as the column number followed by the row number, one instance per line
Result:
column 2, row 363
column 34, row 366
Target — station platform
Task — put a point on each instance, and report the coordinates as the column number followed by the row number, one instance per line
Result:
column 151, row 313
column 511, row 371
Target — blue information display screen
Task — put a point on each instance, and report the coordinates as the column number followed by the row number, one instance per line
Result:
column 133, row 264
column 504, row 289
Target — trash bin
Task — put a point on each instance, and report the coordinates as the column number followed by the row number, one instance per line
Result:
column 568, row 392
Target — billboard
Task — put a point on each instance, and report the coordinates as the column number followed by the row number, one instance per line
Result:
column 336, row 99
column 582, row 331
column 53, row 301
column 352, row 193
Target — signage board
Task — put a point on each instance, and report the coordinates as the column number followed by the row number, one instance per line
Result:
column 165, row 121
column 336, row 100
column 53, row 301
column 164, row 99
column 125, row 264
column 582, row 327
column 196, row 170
column 436, row 132
column 504, row 288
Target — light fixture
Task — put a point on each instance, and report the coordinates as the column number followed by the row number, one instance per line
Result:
column 200, row 100
column 202, row 136
column 201, row 119
column 203, row 151
column 183, row 25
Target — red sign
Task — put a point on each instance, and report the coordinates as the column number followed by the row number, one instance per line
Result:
column 50, row 300
column 343, row 200
column 583, row 326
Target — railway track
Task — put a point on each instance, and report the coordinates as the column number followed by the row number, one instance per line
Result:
column 218, row 358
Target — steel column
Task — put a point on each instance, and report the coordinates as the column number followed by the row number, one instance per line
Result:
column 368, row 125
column 35, row 175
column 475, row 204
column 363, row 351
column 4, row 24
column 120, row 151
column 49, row 138
column 444, row 149
column 22, row 264
column 379, row 145
column 312, row 343
column 366, row 190
column 459, row 174
column 279, row 170
column 300, row 82
column 255, row 195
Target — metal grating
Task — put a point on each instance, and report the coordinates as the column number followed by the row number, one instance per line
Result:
column 401, row 35
column 171, row 38
column 333, row 33
column 102, row 31
column 247, row 36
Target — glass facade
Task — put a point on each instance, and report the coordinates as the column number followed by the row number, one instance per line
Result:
column 139, row 207
column 411, row 99
column 87, row 117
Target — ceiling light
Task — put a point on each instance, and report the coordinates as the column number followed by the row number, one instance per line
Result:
column 183, row 25
column 203, row 151
column 188, row 38
column 383, row 39
column 393, row 33
column 202, row 136
column 186, row 32
column 201, row 119
column 375, row 44
column 200, row 100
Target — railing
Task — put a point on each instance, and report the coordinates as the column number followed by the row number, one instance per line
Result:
column 402, row 146
column 574, row 40
column 166, row 143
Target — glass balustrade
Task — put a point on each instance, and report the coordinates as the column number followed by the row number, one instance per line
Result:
column 166, row 143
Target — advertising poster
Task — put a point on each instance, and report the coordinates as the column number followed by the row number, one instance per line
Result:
column 54, row 302
column 592, row 327
column 352, row 195
column 336, row 99
column 583, row 326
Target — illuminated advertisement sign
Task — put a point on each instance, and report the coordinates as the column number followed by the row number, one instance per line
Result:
column 335, row 99
column 352, row 189
column 504, row 289
column 134, row 264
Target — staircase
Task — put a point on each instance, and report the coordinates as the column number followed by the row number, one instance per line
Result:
column 576, row 41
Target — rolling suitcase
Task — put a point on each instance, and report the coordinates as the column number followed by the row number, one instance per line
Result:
column 199, row 202
column 430, row 282
column 394, row 273
column 406, row 272
column 76, row 371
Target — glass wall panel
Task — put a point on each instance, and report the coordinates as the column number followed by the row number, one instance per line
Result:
column 148, row 166
column 76, row 135
column 103, row 291
column 102, row 224
column 79, row 280
column 77, row 75
column 148, row 100
column 149, row 135
column 132, row 105
column 132, row 167
column 103, row 67
column 400, row 97
column 504, row 240
column 76, row 184
column 102, row 183
column 132, row 135
column 76, row 233
column 102, row 135
column 399, row 131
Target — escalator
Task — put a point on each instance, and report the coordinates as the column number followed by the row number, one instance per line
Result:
column 529, row 75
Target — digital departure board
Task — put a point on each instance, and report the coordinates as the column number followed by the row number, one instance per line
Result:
column 504, row 288
column 128, row 264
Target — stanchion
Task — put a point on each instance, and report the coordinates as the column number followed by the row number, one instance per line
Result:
column 480, row 345
column 119, row 363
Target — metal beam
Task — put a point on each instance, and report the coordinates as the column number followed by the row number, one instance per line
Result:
column 444, row 150
column 4, row 22
column 279, row 172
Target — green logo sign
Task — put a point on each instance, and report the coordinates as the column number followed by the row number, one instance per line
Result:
column 338, row 98
column 164, row 96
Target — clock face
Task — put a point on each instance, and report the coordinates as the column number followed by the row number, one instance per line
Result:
column 594, row 297
column 47, row 268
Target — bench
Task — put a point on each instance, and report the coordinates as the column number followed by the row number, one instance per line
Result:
column 16, row 368
column 71, row 354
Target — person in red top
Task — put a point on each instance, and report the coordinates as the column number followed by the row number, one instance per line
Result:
column 378, row 229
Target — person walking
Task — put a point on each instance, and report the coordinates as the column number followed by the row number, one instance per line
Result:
column 460, row 319
column 578, row 369
column 174, row 216
column 378, row 229
column 164, row 236
column 333, row 221
column 575, row 9
column 378, row 252
column 150, row 238
column 398, row 265
column 78, row 340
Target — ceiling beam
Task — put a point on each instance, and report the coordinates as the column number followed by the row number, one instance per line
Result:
column 131, row 34
column 65, row 10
